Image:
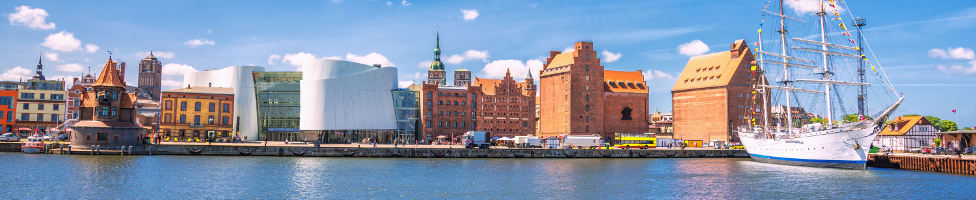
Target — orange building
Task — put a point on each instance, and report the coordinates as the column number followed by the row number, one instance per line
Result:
column 107, row 114
column 8, row 110
column 507, row 106
column 197, row 113
column 712, row 95
column 579, row 97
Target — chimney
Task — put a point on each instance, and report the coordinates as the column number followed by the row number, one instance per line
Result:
column 122, row 73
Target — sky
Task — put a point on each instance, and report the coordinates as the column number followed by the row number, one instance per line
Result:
column 926, row 48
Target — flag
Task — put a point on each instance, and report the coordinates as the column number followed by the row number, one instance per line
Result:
column 759, row 31
column 837, row 18
column 845, row 33
column 852, row 41
column 837, row 14
column 843, row 26
column 753, row 68
column 872, row 68
column 953, row 110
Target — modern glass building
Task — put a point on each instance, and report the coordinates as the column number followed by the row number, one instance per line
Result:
column 407, row 114
column 278, row 105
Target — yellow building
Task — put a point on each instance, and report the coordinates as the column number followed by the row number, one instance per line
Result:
column 197, row 113
column 40, row 103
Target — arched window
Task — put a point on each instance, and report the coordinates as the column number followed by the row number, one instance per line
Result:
column 625, row 114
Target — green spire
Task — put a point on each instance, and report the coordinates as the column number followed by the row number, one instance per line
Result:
column 437, row 65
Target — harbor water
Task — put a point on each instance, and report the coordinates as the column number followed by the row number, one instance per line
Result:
column 36, row 176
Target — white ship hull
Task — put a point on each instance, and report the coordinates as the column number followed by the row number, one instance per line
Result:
column 845, row 147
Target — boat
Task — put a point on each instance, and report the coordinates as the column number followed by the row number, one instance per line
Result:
column 34, row 144
column 819, row 72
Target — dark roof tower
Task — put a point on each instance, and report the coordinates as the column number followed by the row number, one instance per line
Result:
column 40, row 67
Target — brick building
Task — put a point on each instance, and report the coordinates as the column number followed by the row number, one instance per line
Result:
column 579, row 97
column 197, row 113
column 150, row 77
column 107, row 115
column 78, row 87
column 712, row 95
column 507, row 106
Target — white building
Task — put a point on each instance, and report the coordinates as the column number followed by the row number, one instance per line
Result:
column 345, row 101
column 906, row 133
column 241, row 79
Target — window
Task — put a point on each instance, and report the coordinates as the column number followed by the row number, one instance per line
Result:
column 226, row 107
column 587, row 77
column 430, row 95
column 168, row 118
column 77, row 102
column 430, row 104
column 26, row 106
column 26, row 95
column 196, row 119
column 587, row 67
column 40, row 106
column 57, row 96
column 104, row 110
column 587, row 128
column 169, row 105
column 428, row 122
column 462, row 124
column 196, row 106
column 210, row 119
column 56, row 107
column 40, row 117
column 183, row 119
column 455, row 103
column 213, row 107
column 587, row 118
column 114, row 109
column 115, row 95
column 587, row 87
column 587, row 97
column 183, row 106
column 42, row 96
column 54, row 117
column 440, row 102
column 440, row 124
column 474, row 105
column 24, row 117
column 474, row 96
column 225, row 120
column 587, row 108
column 10, row 117
column 101, row 136
column 625, row 113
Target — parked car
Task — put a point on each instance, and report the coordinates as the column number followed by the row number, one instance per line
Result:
column 9, row 137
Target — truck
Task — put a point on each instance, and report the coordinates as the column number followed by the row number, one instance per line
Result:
column 480, row 139
column 528, row 142
column 580, row 141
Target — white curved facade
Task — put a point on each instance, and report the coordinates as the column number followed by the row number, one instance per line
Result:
column 342, row 95
column 241, row 79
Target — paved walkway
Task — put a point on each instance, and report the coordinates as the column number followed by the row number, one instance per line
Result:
column 301, row 144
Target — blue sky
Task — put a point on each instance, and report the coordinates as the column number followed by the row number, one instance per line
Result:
column 911, row 38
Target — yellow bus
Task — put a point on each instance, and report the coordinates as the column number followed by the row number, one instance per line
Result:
column 634, row 140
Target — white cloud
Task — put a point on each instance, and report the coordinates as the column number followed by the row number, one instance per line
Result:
column 519, row 69
column 157, row 54
column 370, row 59
column 651, row 74
column 610, row 57
column 34, row 18
column 273, row 58
column 425, row 64
column 52, row 56
column 958, row 69
column 299, row 59
column 16, row 74
column 959, row 53
column 468, row 55
column 417, row 75
column 469, row 15
column 173, row 74
column 71, row 67
column 405, row 3
column 693, row 48
column 404, row 84
column 389, row 3
column 198, row 42
column 91, row 48
column 811, row 6
column 62, row 41
column 568, row 49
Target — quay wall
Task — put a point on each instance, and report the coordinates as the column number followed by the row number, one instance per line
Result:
column 10, row 146
column 950, row 165
column 408, row 152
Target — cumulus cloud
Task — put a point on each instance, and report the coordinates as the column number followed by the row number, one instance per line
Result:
column 298, row 59
column 173, row 74
column 468, row 55
column 404, row 84
column 405, row 3
column 810, row 6
column 62, row 41
column 199, row 42
column 958, row 69
column 370, row 59
column 389, row 3
column 71, row 67
column 15, row 74
column 958, row 53
column 693, row 48
column 651, row 74
column 273, row 58
column 610, row 57
column 158, row 54
column 91, row 48
column 469, row 15
column 52, row 56
column 34, row 18
column 425, row 64
column 569, row 49
column 519, row 69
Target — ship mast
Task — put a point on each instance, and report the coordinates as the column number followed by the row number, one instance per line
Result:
column 786, row 74
column 862, row 96
column 762, row 80
column 826, row 68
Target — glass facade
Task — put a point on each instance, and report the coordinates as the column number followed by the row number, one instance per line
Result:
column 407, row 114
column 278, row 105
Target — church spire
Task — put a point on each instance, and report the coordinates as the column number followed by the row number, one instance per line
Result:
column 529, row 73
column 40, row 67
column 437, row 65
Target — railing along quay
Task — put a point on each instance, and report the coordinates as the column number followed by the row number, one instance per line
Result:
column 943, row 164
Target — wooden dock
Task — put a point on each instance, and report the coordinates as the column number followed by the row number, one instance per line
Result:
column 930, row 163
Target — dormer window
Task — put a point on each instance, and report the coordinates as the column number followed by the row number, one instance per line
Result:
column 639, row 85
column 614, row 84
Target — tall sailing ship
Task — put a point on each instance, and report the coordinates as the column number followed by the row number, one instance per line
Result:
column 811, row 62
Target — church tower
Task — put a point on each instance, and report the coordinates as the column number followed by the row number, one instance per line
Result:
column 150, row 77
column 436, row 73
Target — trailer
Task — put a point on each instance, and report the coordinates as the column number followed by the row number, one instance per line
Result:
column 480, row 139
column 528, row 142
column 580, row 141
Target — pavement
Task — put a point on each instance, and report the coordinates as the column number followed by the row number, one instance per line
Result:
column 357, row 145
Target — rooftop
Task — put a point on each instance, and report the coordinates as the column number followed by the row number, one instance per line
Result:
column 203, row 90
column 624, row 81
column 715, row 69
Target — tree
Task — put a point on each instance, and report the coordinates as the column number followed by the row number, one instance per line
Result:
column 854, row 118
column 946, row 125
column 967, row 128
column 911, row 115
column 817, row 120
column 934, row 120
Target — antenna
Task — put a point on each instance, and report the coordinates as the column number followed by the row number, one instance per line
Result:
column 862, row 95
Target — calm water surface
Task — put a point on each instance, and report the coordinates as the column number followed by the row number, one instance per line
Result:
column 182, row 177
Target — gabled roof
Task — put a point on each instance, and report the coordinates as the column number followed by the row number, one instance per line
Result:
column 901, row 125
column 109, row 76
column 715, row 69
column 623, row 81
column 561, row 59
column 488, row 85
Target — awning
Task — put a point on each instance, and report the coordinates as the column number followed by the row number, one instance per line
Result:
column 441, row 136
column 495, row 138
column 25, row 129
